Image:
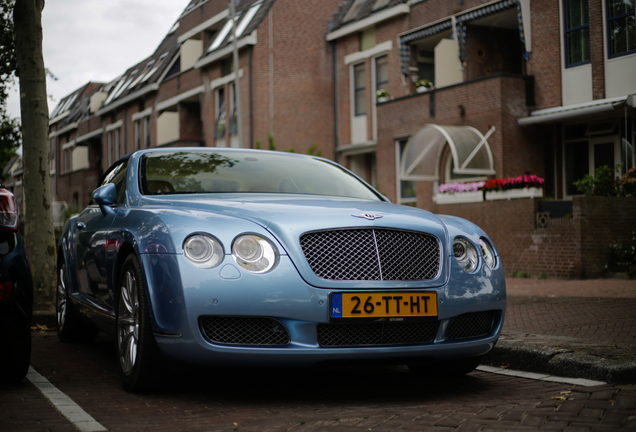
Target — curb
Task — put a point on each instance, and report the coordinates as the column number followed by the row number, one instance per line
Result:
column 560, row 362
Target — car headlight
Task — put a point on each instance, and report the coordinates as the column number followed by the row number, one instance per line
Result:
column 203, row 251
column 254, row 253
column 488, row 253
column 465, row 254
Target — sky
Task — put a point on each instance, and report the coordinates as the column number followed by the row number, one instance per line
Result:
column 97, row 40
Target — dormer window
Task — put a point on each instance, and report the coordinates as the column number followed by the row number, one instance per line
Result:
column 247, row 19
column 221, row 35
column 353, row 11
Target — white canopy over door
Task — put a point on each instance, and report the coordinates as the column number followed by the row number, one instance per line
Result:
column 470, row 150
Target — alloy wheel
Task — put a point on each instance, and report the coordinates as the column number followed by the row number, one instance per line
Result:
column 61, row 299
column 128, row 323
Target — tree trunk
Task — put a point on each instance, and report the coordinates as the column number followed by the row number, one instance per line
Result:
column 39, row 230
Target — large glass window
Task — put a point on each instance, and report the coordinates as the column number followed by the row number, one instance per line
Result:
column 621, row 27
column 577, row 165
column 360, row 96
column 577, row 32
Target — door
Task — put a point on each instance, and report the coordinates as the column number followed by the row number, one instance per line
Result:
column 95, row 247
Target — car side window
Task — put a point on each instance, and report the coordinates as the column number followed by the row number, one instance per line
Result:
column 118, row 177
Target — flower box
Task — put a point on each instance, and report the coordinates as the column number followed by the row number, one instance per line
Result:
column 421, row 89
column 531, row 192
column 459, row 197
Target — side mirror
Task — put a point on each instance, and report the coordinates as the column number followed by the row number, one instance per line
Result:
column 105, row 196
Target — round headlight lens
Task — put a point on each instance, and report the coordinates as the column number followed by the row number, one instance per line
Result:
column 203, row 251
column 465, row 254
column 488, row 253
column 254, row 253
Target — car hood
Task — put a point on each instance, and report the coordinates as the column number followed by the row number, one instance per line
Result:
column 288, row 217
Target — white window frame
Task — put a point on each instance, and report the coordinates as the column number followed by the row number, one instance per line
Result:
column 398, row 180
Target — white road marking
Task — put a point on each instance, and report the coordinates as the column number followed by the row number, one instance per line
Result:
column 64, row 404
column 540, row 377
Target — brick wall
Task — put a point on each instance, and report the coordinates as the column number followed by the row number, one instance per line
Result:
column 574, row 247
column 603, row 220
column 495, row 101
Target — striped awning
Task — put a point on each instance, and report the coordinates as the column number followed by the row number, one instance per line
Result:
column 491, row 9
column 462, row 20
column 405, row 49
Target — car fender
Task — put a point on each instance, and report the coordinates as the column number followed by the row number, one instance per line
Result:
column 485, row 286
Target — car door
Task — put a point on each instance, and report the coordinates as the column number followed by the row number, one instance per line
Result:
column 94, row 246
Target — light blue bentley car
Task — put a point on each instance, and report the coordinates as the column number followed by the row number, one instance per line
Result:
column 243, row 257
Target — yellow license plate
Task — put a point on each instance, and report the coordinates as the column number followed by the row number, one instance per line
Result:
column 384, row 305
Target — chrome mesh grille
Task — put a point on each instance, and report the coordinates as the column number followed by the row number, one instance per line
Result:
column 244, row 330
column 377, row 334
column 372, row 254
column 470, row 325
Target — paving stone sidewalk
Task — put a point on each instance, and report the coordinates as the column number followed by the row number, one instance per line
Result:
column 582, row 329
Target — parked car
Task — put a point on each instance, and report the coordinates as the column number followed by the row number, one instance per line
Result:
column 16, row 295
column 245, row 257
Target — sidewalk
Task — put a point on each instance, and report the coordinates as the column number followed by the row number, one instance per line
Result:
column 572, row 328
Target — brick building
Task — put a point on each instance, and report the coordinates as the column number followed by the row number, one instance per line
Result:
column 518, row 86
column 550, row 80
column 185, row 93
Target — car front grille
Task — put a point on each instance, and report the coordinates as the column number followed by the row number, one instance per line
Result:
column 372, row 254
column 470, row 325
column 377, row 334
column 244, row 330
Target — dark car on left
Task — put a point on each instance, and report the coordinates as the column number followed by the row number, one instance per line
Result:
column 16, row 295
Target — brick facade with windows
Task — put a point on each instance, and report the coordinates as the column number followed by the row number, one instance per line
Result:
column 494, row 64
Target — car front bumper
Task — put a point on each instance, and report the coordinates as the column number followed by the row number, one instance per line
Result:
column 181, row 295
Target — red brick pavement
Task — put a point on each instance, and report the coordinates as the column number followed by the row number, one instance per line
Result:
column 375, row 399
column 602, row 319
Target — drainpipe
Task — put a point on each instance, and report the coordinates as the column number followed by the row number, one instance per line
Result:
column 237, row 86
column 335, row 102
column 251, row 94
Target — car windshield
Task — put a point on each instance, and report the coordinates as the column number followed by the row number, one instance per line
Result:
column 188, row 172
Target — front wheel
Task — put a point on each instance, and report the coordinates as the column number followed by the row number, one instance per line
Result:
column 138, row 356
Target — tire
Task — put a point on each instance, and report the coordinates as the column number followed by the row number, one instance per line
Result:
column 448, row 368
column 70, row 327
column 138, row 357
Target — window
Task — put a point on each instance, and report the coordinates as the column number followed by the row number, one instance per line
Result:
column 137, row 134
column 379, row 4
column 360, row 97
column 68, row 157
column 406, row 188
column 246, row 20
column 219, row 128
column 621, row 27
column 117, row 176
column 234, row 119
column 353, row 10
column 382, row 73
column 577, row 32
column 111, row 150
column 118, row 142
column 147, row 130
column 221, row 35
